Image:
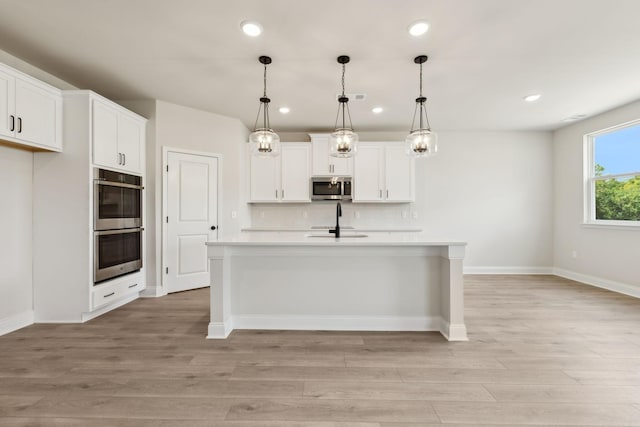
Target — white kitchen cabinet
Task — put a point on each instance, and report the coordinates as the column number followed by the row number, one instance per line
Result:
column 118, row 136
column 30, row 111
column 323, row 163
column 284, row 178
column 383, row 173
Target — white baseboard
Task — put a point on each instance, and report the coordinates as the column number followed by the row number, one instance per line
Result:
column 599, row 282
column 219, row 330
column 108, row 308
column 508, row 270
column 453, row 332
column 337, row 323
column 152, row 292
column 16, row 321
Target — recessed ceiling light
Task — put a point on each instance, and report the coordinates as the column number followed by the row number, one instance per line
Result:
column 418, row 28
column 532, row 98
column 284, row 110
column 251, row 28
column 377, row 110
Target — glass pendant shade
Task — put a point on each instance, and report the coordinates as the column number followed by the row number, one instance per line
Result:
column 263, row 140
column 343, row 141
column 421, row 142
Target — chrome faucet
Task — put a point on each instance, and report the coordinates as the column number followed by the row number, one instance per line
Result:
column 336, row 230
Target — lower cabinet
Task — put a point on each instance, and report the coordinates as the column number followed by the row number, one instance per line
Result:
column 284, row 178
column 116, row 289
column 383, row 172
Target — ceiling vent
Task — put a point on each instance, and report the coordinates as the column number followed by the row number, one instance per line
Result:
column 353, row 96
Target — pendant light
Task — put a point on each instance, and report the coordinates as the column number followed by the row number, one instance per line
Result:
column 343, row 141
column 264, row 141
column 421, row 142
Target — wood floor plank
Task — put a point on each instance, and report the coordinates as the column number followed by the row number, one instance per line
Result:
column 79, row 405
column 332, row 410
column 538, row 413
column 605, row 377
column 564, row 393
column 207, row 388
column 396, row 391
column 486, row 376
column 302, row 373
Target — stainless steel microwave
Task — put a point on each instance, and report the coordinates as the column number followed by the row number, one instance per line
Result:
column 331, row 188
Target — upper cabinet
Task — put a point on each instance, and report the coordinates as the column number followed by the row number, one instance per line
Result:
column 323, row 163
column 284, row 178
column 383, row 173
column 30, row 111
column 118, row 136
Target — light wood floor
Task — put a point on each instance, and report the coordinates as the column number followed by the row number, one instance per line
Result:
column 542, row 351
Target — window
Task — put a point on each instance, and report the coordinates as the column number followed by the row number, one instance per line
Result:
column 612, row 173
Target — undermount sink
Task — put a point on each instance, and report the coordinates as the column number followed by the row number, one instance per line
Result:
column 342, row 236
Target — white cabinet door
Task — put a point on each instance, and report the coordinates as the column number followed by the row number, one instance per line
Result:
column 367, row 174
column 326, row 165
column 264, row 179
column 399, row 174
column 295, row 173
column 118, row 138
column 38, row 115
column 7, row 105
column 130, row 142
column 105, row 135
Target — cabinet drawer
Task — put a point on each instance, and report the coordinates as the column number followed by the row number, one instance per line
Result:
column 111, row 292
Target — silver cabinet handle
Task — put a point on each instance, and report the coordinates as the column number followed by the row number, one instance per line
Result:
column 109, row 295
column 387, row 193
column 124, row 159
column 13, row 123
column 380, row 193
column 133, row 286
column 119, row 158
column 282, row 192
column 276, row 193
column 19, row 124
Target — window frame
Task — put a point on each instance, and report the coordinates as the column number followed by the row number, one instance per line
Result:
column 590, row 179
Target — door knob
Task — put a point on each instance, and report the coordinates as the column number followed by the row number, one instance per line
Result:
column 213, row 227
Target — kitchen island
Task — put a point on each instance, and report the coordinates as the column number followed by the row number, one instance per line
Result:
column 295, row 280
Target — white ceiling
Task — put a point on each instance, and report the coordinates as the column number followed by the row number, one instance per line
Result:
column 583, row 56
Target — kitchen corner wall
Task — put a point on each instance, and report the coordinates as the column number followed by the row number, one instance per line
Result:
column 605, row 257
column 16, row 226
column 491, row 189
column 188, row 129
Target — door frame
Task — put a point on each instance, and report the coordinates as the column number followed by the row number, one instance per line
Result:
column 165, row 188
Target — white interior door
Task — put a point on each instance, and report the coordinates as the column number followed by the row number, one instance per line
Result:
column 191, row 217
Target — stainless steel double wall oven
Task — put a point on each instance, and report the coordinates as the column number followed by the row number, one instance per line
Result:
column 117, row 224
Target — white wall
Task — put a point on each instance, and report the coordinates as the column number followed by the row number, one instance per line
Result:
column 491, row 189
column 16, row 198
column 175, row 126
column 605, row 256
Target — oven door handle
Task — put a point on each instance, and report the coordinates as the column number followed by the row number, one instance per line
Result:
column 119, row 231
column 118, row 184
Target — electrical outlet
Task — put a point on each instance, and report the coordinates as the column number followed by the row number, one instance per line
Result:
column 305, row 215
column 405, row 214
column 234, row 214
column 574, row 254
column 414, row 215
column 262, row 214
column 356, row 214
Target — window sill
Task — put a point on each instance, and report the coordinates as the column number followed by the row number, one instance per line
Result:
column 635, row 226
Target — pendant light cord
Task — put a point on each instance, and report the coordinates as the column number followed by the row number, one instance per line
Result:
column 264, row 106
column 342, row 106
column 420, row 106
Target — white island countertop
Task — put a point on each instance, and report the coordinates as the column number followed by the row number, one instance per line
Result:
column 386, row 281
column 317, row 238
